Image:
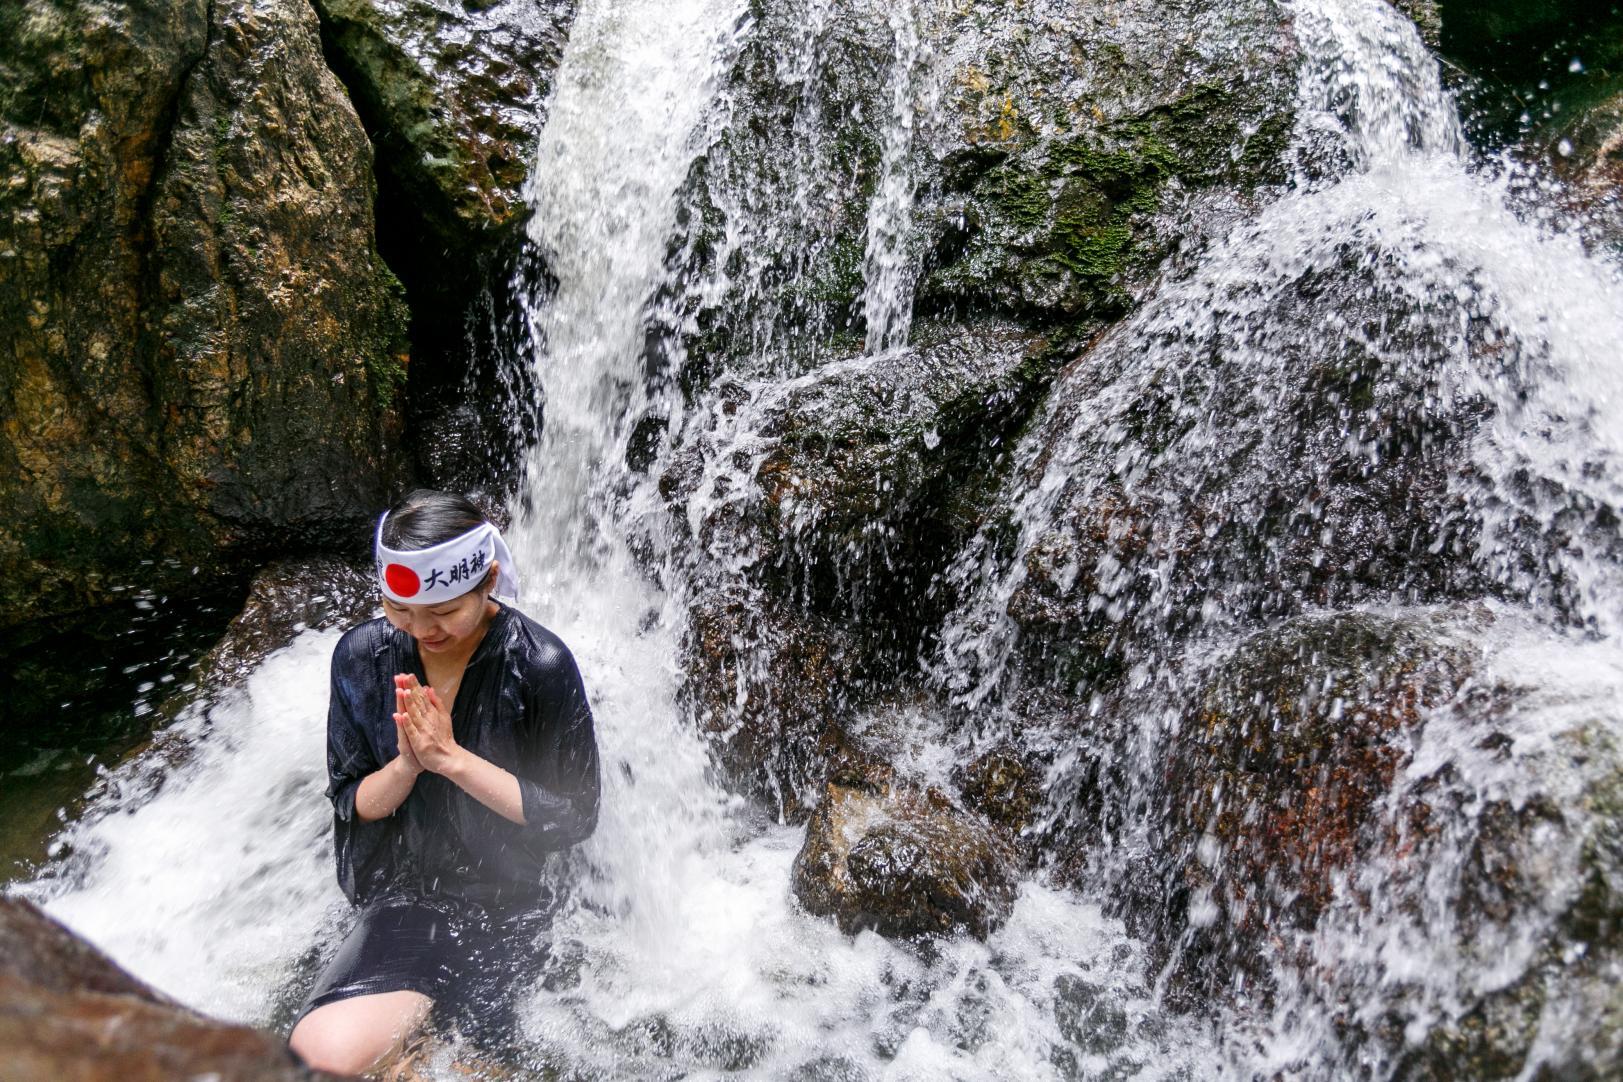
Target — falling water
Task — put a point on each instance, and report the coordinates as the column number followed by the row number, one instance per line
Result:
column 683, row 952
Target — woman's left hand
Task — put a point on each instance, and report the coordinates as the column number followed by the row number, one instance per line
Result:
column 428, row 726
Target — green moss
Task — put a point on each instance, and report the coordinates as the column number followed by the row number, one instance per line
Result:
column 386, row 366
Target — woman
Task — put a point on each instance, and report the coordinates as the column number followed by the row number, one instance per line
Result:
column 461, row 756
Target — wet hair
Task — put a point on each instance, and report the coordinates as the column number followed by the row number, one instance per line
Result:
column 429, row 517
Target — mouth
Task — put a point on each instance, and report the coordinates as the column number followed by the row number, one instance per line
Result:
column 433, row 644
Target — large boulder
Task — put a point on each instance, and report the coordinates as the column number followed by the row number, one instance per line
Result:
column 453, row 94
column 1057, row 153
column 1285, row 429
column 202, row 345
column 1308, row 807
column 68, row 1012
column 1047, row 152
column 902, row 863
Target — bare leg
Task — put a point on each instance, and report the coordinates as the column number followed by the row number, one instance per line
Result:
column 351, row 1036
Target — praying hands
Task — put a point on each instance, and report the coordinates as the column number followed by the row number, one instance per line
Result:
column 424, row 726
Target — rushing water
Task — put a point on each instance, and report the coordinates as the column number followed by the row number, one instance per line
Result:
column 205, row 868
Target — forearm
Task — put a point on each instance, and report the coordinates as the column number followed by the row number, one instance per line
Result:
column 384, row 790
column 487, row 783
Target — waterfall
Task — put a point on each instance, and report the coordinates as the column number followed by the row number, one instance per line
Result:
column 1390, row 389
column 1392, row 320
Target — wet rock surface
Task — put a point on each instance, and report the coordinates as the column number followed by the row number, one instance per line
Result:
column 453, row 94
column 202, row 343
column 68, row 1012
column 284, row 599
column 1159, row 479
column 902, row 863
column 770, row 690
column 1281, row 761
column 1071, row 135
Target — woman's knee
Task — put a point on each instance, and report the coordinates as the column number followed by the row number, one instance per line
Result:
column 350, row 1036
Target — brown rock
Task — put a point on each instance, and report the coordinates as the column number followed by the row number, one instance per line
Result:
column 904, row 863
column 201, row 342
column 68, row 1013
column 768, row 686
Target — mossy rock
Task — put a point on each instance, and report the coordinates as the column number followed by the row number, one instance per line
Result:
column 454, row 97
column 1069, row 140
column 203, row 344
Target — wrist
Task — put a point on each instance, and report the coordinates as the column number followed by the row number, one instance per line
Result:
column 455, row 765
column 408, row 767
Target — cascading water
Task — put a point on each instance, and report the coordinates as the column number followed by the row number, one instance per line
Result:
column 1387, row 325
column 1387, row 392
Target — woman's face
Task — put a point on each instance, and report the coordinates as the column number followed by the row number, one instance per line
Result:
column 447, row 627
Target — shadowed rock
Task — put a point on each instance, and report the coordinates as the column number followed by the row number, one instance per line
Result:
column 284, row 599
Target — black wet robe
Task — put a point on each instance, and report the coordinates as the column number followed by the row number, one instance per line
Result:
column 449, row 889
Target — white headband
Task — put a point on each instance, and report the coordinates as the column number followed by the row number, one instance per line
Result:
column 444, row 571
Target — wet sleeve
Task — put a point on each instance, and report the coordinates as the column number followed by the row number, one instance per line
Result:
column 559, row 773
column 363, row 850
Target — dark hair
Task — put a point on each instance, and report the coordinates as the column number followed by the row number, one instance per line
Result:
column 428, row 517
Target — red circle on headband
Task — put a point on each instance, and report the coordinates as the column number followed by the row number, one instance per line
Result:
column 402, row 579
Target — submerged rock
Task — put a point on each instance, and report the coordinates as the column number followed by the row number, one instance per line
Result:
column 67, row 1011
column 902, row 863
column 203, row 346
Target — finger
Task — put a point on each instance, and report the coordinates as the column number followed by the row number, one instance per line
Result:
column 434, row 698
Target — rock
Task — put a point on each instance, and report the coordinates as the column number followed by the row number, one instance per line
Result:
column 1057, row 156
column 1534, row 924
column 1285, row 753
column 1314, row 458
column 1427, row 16
column 68, row 1012
column 202, row 344
column 874, row 475
column 770, row 689
column 902, row 863
column 453, row 94
column 1005, row 786
column 1345, row 785
column 284, row 599
column 778, row 204
column 1089, row 1016
column 281, row 340
column 1071, row 134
